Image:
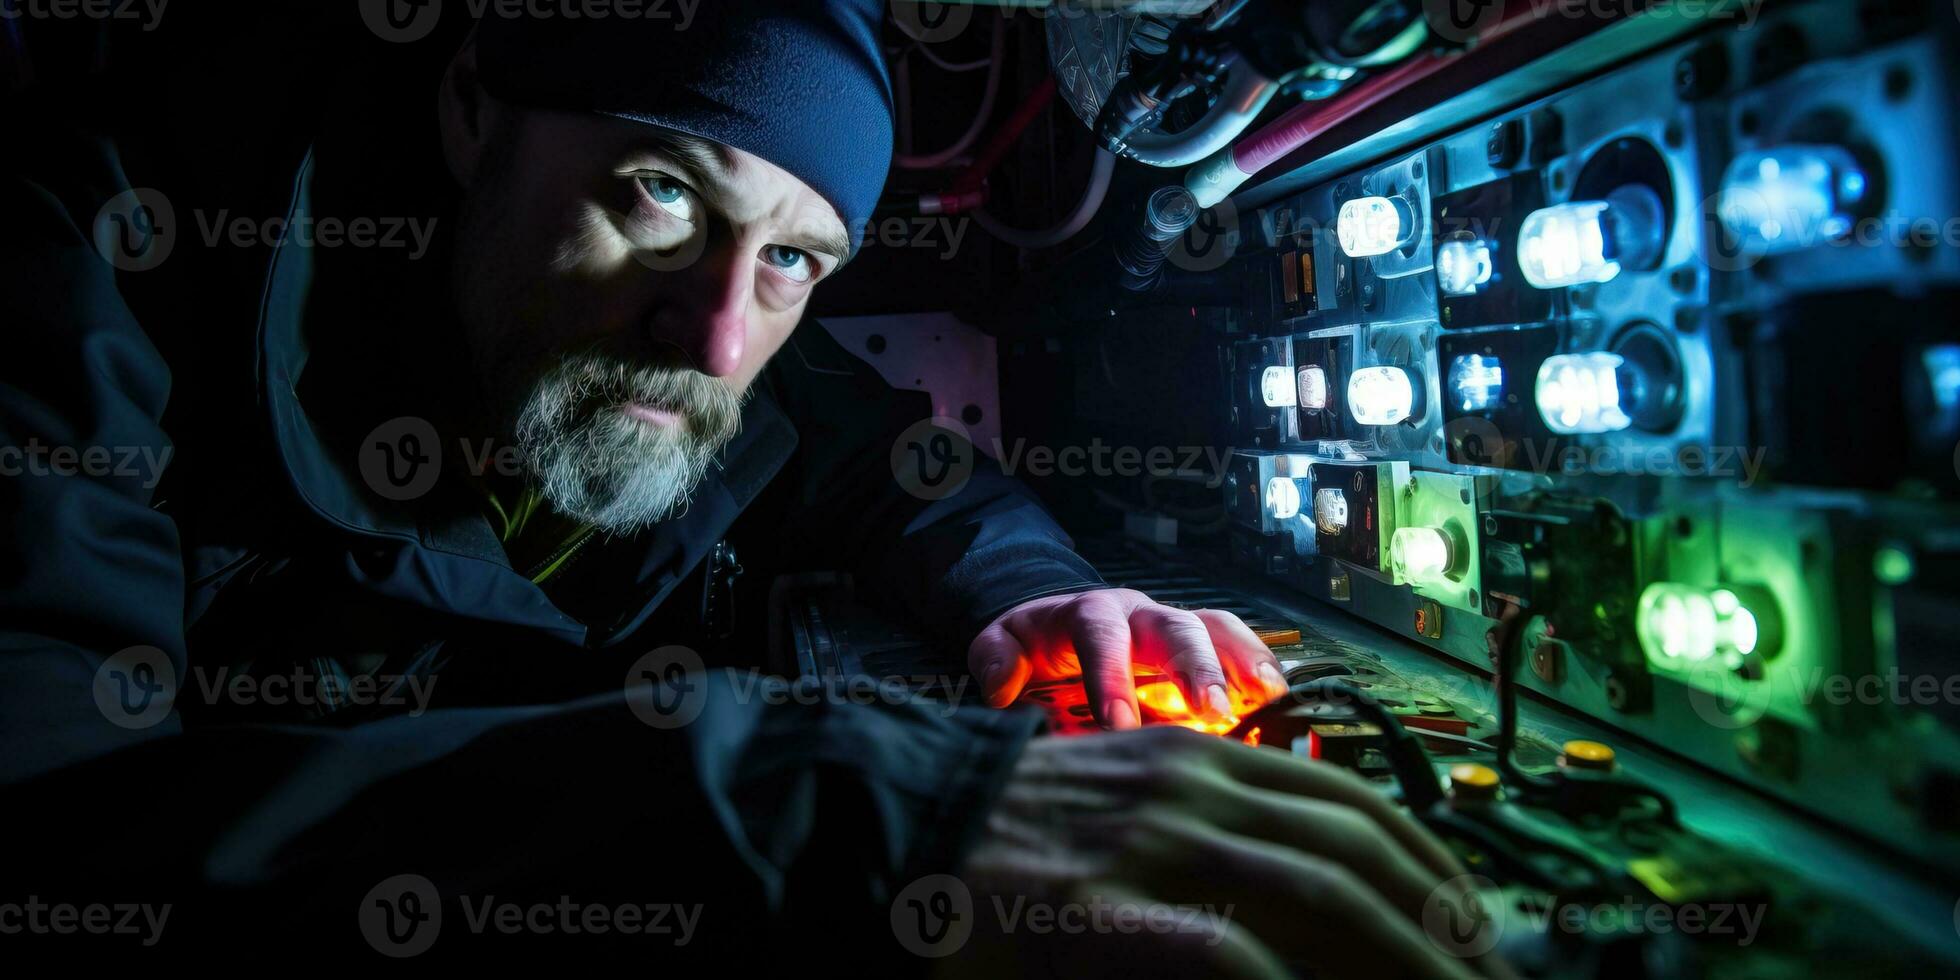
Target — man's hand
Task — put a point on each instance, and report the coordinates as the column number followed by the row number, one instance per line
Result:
column 1102, row 636
column 1301, row 864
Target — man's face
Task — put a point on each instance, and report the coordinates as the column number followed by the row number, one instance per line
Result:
column 621, row 286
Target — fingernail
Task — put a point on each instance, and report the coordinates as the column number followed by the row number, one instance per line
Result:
column 1121, row 716
column 1221, row 706
column 1275, row 681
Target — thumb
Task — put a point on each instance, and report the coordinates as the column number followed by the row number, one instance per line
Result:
column 1001, row 664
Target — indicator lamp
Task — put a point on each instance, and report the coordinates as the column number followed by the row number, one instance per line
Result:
column 1283, row 498
column 1790, row 197
column 1330, row 510
column 1276, row 386
column 1476, row 381
column 1462, row 264
column 1313, row 388
column 1381, row 395
column 1373, row 225
column 1684, row 625
column 1590, row 241
column 1580, row 393
column 1422, row 555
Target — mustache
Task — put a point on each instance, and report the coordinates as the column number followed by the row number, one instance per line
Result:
column 595, row 381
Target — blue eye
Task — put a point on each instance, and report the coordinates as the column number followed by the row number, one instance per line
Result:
column 670, row 194
column 793, row 263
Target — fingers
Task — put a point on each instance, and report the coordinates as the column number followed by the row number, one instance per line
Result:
column 1175, row 940
column 1308, row 910
column 1178, row 642
column 1001, row 663
column 1099, row 626
column 1283, row 773
column 1343, row 835
column 1254, row 671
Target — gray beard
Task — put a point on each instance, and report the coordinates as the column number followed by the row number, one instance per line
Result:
column 594, row 462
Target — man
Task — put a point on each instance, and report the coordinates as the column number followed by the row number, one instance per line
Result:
column 337, row 659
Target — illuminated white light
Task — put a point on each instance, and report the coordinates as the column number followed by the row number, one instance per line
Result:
column 1276, row 386
column 1477, row 381
column 1790, row 197
column 1565, row 245
column 1580, row 393
column 1372, row 225
column 1313, row 387
column 1678, row 622
column 1942, row 362
column 1330, row 510
column 1282, row 497
column 1381, row 395
column 1462, row 264
column 1420, row 554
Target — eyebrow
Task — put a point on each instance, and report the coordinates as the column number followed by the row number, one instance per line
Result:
column 708, row 163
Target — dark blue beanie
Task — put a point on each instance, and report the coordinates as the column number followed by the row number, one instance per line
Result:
column 800, row 83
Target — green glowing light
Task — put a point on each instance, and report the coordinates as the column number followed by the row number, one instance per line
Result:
column 1892, row 565
column 1681, row 625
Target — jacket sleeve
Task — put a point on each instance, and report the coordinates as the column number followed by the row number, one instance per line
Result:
column 952, row 562
column 771, row 816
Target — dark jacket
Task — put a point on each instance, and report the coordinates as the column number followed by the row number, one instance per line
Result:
column 261, row 550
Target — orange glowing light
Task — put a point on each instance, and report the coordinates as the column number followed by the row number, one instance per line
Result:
column 1252, row 737
column 1164, row 704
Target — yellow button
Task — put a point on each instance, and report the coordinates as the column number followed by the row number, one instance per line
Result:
column 1472, row 781
column 1588, row 755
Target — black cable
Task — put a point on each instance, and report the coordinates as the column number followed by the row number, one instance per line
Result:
column 1420, row 787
